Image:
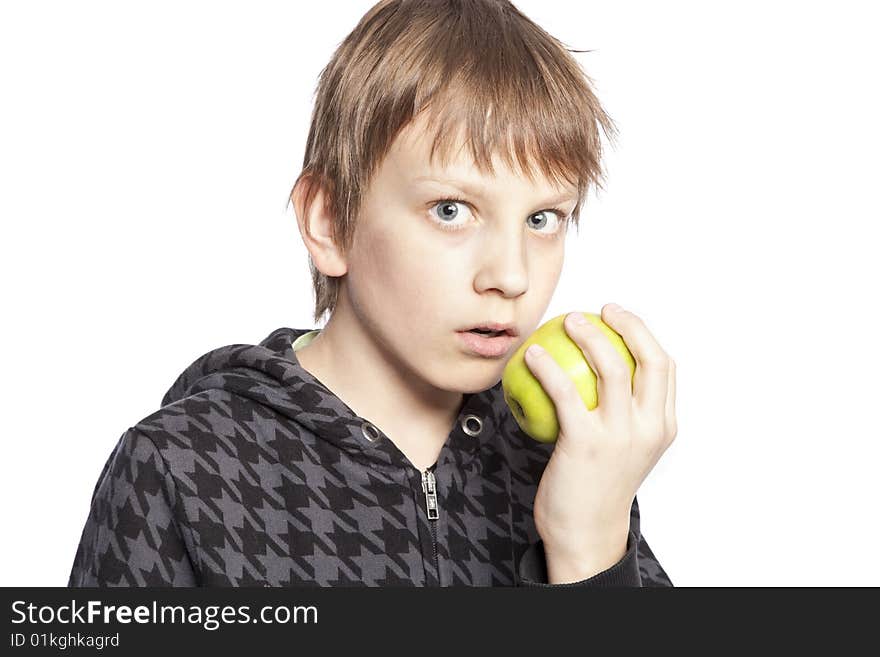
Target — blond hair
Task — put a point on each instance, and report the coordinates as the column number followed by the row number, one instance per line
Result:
column 481, row 69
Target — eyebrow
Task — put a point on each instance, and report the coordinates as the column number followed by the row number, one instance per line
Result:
column 477, row 191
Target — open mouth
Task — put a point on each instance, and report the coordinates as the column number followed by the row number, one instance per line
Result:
column 489, row 334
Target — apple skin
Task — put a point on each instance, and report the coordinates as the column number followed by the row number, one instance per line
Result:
column 531, row 406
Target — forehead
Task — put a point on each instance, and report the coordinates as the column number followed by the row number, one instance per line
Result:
column 409, row 160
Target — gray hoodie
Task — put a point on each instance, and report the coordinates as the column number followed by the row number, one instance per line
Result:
column 253, row 473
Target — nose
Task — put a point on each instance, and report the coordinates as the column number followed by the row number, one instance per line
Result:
column 503, row 263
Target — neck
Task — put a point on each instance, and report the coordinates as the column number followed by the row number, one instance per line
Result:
column 379, row 387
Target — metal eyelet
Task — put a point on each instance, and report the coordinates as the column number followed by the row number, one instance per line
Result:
column 370, row 432
column 466, row 423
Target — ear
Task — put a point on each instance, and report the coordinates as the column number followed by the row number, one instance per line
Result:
column 318, row 239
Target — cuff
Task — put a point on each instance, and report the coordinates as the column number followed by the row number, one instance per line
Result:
column 533, row 568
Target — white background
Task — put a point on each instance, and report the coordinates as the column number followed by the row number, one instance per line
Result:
column 146, row 153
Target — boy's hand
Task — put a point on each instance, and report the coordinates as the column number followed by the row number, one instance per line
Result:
column 601, row 457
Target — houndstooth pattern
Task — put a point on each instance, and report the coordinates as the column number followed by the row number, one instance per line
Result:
column 253, row 473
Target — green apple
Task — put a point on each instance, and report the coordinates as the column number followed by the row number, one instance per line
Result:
column 531, row 406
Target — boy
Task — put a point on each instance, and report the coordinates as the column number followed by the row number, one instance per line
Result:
column 379, row 450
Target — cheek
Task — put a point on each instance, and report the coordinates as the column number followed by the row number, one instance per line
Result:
column 552, row 271
column 399, row 280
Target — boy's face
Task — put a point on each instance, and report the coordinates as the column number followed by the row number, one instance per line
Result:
column 414, row 285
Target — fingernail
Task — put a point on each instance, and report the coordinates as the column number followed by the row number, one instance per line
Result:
column 613, row 307
column 535, row 350
column 578, row 318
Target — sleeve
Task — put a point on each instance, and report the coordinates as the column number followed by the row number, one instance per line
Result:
column 638, row 567
column 132, row 536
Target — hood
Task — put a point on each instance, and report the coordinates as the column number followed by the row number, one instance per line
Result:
column 269, row 375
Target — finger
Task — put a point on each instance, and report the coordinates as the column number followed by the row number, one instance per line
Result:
column 671, row 420
column 614, row 379
column 652, row 363
column 571, row 411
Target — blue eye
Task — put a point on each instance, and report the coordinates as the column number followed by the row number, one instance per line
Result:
column 447, row 212
column 544, row 214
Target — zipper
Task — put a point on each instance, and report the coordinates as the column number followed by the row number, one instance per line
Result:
column 429, row 486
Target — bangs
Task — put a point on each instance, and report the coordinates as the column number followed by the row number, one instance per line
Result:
column 554, row 142
column 519, row 94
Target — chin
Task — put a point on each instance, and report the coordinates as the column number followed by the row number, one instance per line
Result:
column 473, row 378
column 478, row 389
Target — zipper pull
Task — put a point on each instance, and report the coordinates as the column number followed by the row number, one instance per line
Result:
column 429, row 485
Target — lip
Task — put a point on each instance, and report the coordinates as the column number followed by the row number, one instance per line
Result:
column 510, row 328
column 485, row 346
